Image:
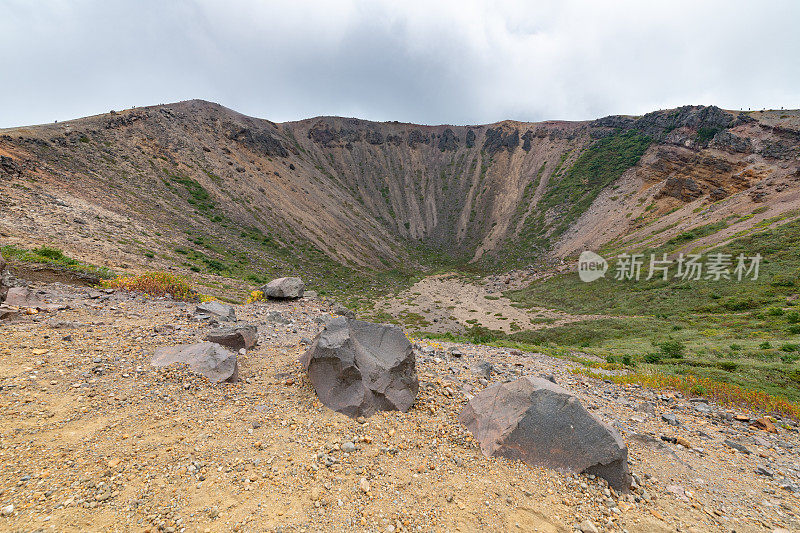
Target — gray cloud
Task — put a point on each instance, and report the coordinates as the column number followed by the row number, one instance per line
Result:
column 461, row 62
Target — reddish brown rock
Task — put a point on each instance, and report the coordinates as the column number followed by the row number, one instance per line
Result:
column 235, row 337
column 764, row 424
column 538, row 422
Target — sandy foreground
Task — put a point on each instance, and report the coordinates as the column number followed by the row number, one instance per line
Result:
column 92, row 438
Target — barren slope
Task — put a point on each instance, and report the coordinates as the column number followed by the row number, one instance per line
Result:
column 197, row 186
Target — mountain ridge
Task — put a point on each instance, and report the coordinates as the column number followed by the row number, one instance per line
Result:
column 377, row 196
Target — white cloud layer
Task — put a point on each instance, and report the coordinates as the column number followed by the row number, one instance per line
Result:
column 458, row 62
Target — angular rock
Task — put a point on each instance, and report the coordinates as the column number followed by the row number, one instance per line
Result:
column 483, row 368
column 214, row 309
column 284, row 288
column 209, row 359
column 236, row 337
column 737, row 446
column 703, row 408
column 538, row 422
column 670, row 419
column 358, row 368
column 764, row 424
column 24, row 297
column 276, row 317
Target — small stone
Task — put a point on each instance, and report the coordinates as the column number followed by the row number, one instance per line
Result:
column 670, row 419
column 363, row 484
column 736, row 446
column 761, row 471
column 764, row 424
column 348, row 447
column 8, row 510
column 703, row 408
column 587, row 526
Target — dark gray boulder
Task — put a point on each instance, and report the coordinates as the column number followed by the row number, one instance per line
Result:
column 284, row 288
column 236, row 337
column 215, row 310
column 536, row 421
column 209, row 359
column 358, row 368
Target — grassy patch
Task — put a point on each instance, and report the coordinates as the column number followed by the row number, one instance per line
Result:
column 722, row 393
column 46, row 255
column 743, row 333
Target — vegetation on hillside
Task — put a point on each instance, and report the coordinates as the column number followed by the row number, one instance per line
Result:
column 155, row 284
column 570, row 192
column 745, row 333
column 54, row 257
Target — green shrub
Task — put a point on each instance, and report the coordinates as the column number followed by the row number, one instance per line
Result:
column 765, row 345
column 739, row 304
column 50, row 253
column 481, row 335
column 775, row 311
column 793, row 317
column 672, row 348
column 790, row 347
column 789, row 358
column 653, row 358
column 728, row 366
column 782, row 280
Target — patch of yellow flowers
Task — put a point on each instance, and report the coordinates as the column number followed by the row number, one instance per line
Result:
column 256, row 296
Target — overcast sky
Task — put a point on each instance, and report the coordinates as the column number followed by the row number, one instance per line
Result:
column 430, row 62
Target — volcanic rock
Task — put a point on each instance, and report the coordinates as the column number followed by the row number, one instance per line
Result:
column 215, row 309
column 284, row 288
column 538, row 422
column 206, row 358
column 358, row 368
column 236, row 337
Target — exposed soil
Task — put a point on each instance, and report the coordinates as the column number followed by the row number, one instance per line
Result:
column 92, row 438
column 447, row 303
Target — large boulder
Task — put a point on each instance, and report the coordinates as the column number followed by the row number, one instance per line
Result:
column 358, row 368
column 284, row 288
column 538, row 422
column 236, row 337
column 209, row 359
column 24, row 297
column 215, row 310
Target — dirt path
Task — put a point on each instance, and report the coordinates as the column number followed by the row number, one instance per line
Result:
column 450, row 303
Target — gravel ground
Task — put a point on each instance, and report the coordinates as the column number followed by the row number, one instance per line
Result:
column 92, row 438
